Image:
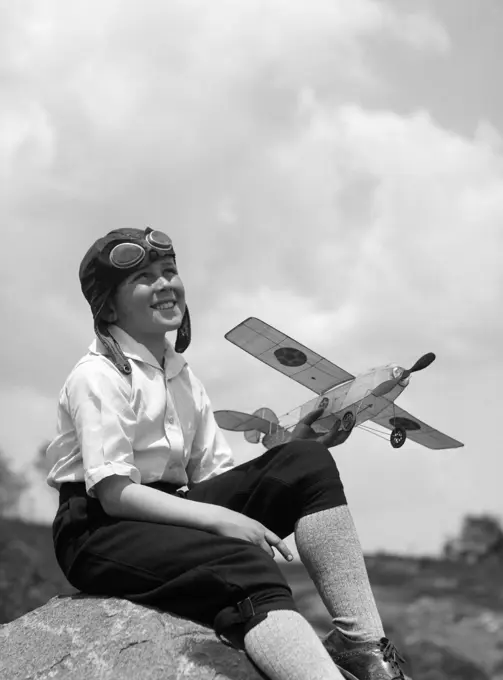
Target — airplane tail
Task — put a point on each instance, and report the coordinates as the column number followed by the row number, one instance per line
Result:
column 253, row 436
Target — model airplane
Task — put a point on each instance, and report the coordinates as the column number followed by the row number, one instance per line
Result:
column 353, row 400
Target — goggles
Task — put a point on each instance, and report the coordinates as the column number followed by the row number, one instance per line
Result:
column 128, row 255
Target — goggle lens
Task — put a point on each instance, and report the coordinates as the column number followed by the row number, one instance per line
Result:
column 126, row 255
column 159, row 240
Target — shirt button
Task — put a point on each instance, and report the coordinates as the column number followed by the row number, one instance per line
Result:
column 171, row 420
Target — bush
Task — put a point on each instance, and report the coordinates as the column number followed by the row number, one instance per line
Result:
column 481, row 537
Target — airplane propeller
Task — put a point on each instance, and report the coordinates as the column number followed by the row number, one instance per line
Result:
column 422, row 362
column 388, row 385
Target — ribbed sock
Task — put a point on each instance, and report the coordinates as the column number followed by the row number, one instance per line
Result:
column 330, row 550
column 285, row 647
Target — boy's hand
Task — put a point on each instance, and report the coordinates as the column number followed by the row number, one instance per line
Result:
column 333, row 437
column 236, row 525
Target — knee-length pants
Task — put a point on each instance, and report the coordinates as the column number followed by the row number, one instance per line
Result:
column 227, row 583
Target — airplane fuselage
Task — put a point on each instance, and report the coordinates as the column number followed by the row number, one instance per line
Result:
column 354, row 396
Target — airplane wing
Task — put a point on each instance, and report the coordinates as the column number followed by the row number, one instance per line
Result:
column 418, row 431
column 287, row 356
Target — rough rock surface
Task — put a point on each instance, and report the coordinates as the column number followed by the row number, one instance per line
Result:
column 81, row 637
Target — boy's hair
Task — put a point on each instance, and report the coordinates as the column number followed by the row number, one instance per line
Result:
column 101, row 273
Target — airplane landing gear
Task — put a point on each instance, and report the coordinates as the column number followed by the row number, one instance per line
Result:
column 398, row 436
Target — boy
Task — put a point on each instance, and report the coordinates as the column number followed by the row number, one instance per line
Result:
column 135, row 426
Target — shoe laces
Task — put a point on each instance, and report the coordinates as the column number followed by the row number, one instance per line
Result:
column 390, row 653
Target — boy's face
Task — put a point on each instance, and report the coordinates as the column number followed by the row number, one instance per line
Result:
column 151, row 301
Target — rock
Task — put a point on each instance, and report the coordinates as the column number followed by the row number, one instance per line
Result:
column 81, row 637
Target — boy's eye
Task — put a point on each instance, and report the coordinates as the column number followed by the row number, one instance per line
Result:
column 144, row 276
column 141, row 276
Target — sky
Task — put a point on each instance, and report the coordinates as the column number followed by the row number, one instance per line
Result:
column 333, row 167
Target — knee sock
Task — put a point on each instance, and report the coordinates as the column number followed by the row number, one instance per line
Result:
column 285, row 647
column 330, row 550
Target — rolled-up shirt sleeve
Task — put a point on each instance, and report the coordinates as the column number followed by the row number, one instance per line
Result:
column 99, row 403
column 210, row 453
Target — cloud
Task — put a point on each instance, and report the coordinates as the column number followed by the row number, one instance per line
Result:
column 163, row 116
column 185, row 79
column 29, row 417
column 419, row 29
column 414, row 235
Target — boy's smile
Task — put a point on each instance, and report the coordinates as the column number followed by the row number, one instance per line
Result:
column 167, row 306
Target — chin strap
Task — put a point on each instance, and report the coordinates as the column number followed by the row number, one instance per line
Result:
column 113, row 350
column 184, row 333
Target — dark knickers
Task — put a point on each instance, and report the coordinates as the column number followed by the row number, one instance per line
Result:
column 227, row 583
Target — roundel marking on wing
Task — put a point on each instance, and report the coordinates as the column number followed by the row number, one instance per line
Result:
column 290, row 356
column 406, row 423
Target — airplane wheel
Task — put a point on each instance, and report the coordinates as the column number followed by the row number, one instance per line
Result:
column 348, row 421
column 398, row 437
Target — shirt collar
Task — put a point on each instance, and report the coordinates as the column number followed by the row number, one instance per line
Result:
column 132, row 349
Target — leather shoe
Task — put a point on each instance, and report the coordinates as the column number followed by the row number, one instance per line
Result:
column 377, row 660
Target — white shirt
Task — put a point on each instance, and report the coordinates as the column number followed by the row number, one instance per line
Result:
column 154, row 425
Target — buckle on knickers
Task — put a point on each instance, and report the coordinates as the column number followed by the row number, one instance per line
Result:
column 245, row 608
column 229, row 623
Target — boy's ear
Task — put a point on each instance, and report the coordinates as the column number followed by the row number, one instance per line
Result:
column 108, row 312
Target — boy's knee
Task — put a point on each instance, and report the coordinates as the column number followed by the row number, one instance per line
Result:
column 309, row 468
column 305, row 460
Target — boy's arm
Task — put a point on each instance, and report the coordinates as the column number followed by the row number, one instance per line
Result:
column 127, row 500
column 98, row 401
column 120, row 497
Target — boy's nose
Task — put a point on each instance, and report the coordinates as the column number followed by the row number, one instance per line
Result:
column 161, row 283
